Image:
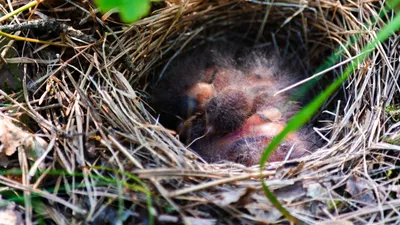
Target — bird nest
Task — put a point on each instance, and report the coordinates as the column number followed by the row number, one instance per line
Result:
column 81, row 143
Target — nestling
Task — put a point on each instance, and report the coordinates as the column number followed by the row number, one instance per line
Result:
column 228, row 108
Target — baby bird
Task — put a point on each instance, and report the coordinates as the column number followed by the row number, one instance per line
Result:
column 246, row 144
column 229, row 109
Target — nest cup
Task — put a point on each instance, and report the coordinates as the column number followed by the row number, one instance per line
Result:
column 267, row 29
column 234, row 36
column 107, row 138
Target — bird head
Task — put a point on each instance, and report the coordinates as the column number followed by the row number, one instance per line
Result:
column 227, row 111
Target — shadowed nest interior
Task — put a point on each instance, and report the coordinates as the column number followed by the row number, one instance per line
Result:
column 106, row 158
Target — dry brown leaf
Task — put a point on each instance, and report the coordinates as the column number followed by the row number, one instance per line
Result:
column 10, row 216
column 263, row 212
column 13, row 137
column 241, row 197
column 10, row 137
column 315, row 190
column 291, row 192
column 359, row 189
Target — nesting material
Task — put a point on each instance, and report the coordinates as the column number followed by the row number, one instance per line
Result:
column 228, row 106
column 109, row 159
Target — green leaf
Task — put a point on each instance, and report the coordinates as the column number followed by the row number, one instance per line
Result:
column 130, row 10
column 133, row 10
column 106, row 5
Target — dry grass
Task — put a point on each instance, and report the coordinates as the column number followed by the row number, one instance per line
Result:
column 89, row 104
